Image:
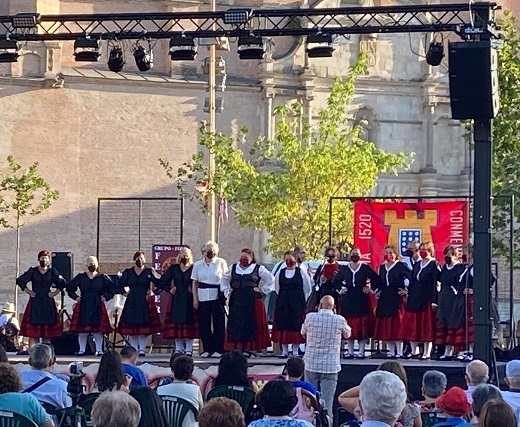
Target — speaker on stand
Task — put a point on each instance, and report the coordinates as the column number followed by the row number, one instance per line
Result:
column 64, row 263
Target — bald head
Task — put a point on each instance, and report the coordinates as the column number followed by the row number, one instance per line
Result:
column 327, row 303
column 477, row 372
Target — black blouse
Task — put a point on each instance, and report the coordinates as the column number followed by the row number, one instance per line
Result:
column 423, row 286
column 391, row 280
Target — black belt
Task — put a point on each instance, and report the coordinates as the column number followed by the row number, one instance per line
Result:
column 208, row 286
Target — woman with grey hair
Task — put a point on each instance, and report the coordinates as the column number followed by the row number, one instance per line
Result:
column 482, row 394
column 116, row 409
column 433, row 385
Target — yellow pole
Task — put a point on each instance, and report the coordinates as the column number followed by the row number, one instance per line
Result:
column 212, row 220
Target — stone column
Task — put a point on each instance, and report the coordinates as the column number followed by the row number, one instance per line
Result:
column 44, row 7
column 268, row 112
column 430, row 113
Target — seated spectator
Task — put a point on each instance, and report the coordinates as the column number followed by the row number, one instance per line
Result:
column 481, row 395
column 277, row 400
column 497, row 413
column 129, row 357
column 22, row 403
column 382, row 398
column 477, row 372
column 513, row 381
column 183, row 387
column 152, row 410
column 41, row 382
column 110, row 375
column 433, row 385
column 115, row 409
column 3, row 355
column 232, row 370
column 455, row 405
column 221, row 412
column 9, row 328
column 295, row 371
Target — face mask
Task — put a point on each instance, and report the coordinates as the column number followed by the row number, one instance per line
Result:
column 331, row 258
column 354, row 258
column 43, row 263
column 139, row 262
column 447, row 260
column 245, row 262
column 210, row 254
column 423, row 254
column 92, row 268
column 290, row 263
column 389, row 257
column 184, row 260
column 409, row 253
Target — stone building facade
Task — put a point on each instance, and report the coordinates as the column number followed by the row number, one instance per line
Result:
column 100, row 134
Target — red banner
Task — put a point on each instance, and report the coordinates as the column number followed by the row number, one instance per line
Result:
column 377, row 224
column 163, row 256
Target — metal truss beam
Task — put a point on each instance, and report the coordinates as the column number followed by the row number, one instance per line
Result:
column 263, row 22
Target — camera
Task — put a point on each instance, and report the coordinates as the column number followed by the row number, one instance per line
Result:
column 76, row 368
column 75, row 385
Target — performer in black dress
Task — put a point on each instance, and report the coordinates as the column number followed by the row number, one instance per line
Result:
column 181, row 321
column 293, row 287
column 325, row 274
column 446, row 298
column 419, row 317
column 40, row 319
column 247, row 322
column 357, row 303
column 90, row 314
column 389, row 312
column 139, row 317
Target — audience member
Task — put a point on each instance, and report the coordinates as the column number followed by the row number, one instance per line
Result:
column 22, row 403
column 115, row 409
column 433, row 385
column 41, row 382
column 221, row 412
column 277, row 400
column 295, row 371
column 513, row 381
column 183, row 387
column 9, row 328
column 477, row 372
column 455, row 405
column 3, row 355
column 152, row 410
column 481, row 395
column 110, row 375
column 323, row 332
column 382, row 398
column 497, row 413
column 129, row 357
column 232, row 370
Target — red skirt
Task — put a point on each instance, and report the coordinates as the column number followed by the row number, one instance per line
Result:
column 175, row 330
column 389, row 328
column 362, row 326
column 288, row 337
column 27, row 329
column 441, row 334
column 262, row 340
column 419, row 326
column 459, row 337
column 154, row 323
column 103, row 326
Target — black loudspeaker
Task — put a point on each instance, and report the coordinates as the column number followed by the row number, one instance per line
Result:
column 473, row 80
column 66, row 345
column 64, row 263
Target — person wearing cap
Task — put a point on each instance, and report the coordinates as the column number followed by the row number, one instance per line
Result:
column 512, row 396
column 455, row 405
column 9, row 328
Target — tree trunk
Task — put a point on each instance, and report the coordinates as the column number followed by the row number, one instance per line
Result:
column 17, row 261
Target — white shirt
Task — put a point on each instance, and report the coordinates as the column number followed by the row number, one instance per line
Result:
column 323, row 332
column 5, row 317
column 53, row 392
column 267, row 278
column 289, row 274
column 210, row 274
column 186, row 391
column 513, row 399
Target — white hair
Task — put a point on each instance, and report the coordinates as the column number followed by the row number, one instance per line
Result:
column 40, row 356
column 116, row 409
column 477, row 372
column 209, row 244
column 92, row 260
column 382, row 396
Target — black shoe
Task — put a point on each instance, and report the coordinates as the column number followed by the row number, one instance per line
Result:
column 445, row 358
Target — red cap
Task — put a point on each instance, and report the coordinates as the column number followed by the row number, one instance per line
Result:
column 454, row 402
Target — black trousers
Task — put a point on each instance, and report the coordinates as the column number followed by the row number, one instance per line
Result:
column 211, row 313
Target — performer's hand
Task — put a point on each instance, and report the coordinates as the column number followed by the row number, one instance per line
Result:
column 149, row 293
column 173, row 290
column 403, row 292
column 344, row 291
column 195, row 305
column 468, row 291
column 126, row 386
column 30, row 293
column 323, row 279
column 366, row 290
column 434, row 306
column 103, row 299
column 78, row 299
column 378, row 294
column 53, row 294
column 257, row 289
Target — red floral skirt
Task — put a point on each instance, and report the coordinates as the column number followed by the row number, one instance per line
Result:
column 389, row 328
column 262, row 332
column 419, row 326
column 154, row 322
column 103, row 326
column 27, row 329
column 362, row 326
column 175, row 330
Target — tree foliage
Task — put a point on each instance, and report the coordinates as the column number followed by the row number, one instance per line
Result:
column 284, row 185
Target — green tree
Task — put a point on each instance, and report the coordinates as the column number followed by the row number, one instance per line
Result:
column 284, row 185
column 23, row 195
column 506, row 139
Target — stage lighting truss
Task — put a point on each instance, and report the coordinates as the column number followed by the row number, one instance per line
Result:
column 220, row 65
column 183, row 48
column 26, row 20
column 435, row 54
column 116, row 58
column 87, row 49
column 219, row 105
column 251, row 47
column 320, row 45
column 9, row 51
column 144, row 56
column 237, row 16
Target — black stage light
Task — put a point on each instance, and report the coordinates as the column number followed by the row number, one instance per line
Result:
column 8, row 51
column 435, row 54
column 183, row 48
column 251, row 47
column 87, row 50
column 237, row 16
column 116, row 59
column 26, row 20
column 143, row 58
column 323, row 46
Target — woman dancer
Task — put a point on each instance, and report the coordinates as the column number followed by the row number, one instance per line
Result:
column 181, row 321
column 40, row 319
column 90, row 314
column 325, row 274
column 293, row 287
column 356, row 280
column 139, row 317
column 247, row 322
column 389, row 312
column 419, row 317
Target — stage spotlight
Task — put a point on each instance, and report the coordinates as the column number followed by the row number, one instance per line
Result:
column 251, row 47
column 143, row 58
column 435, row 54
column 26, row 20
column 323, row 46
column 237, row 16
column 116, row 59
column 8, row 51
column 87, row 50
column 183, row 48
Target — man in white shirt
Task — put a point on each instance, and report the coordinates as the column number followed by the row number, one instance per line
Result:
column 477, row 372
column 206, row 277
column 513, row 381
column 323, row 332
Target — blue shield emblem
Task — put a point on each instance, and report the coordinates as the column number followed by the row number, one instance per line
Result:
column 406, row 236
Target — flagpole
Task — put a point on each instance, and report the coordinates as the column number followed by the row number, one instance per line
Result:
column 212, row 211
